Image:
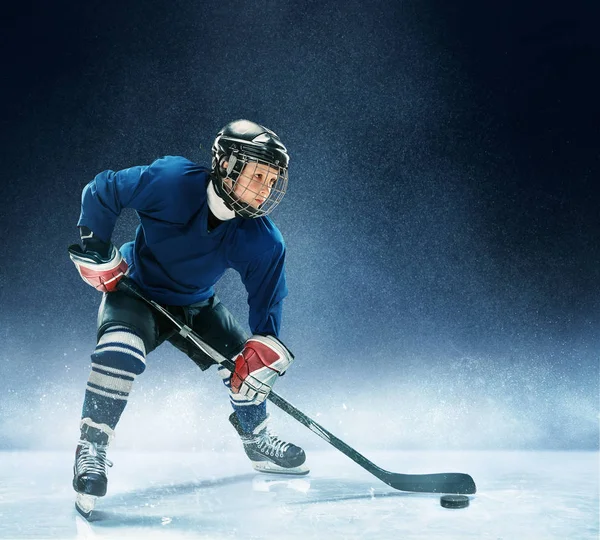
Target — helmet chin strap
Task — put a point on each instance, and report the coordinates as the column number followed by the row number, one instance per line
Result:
column 217, row 205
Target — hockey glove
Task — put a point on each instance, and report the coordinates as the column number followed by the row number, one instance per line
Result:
column 100, row 264
column 257, row 367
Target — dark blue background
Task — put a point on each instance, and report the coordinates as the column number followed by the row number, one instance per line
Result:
column 441, row 220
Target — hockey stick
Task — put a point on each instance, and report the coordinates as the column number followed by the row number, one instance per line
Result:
column 423, row 483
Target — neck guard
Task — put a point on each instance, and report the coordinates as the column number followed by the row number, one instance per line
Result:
column 217, row 205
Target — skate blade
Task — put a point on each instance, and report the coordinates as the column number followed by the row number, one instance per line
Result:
column 271, row 468
column 85, row 504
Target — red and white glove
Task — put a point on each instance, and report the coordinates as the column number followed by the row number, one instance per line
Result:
column 100, row 264
column 257, row 367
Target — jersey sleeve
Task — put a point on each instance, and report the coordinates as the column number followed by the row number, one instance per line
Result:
column 146, row 189
column 264, row 279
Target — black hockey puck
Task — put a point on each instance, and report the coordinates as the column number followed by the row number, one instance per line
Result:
column 454, row 501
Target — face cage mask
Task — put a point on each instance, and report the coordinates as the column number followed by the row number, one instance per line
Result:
column 248, row 195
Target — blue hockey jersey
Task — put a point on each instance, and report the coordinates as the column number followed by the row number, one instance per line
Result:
column 174, row 259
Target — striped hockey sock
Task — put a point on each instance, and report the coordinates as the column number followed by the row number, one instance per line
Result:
column 119, row 357
column 248, row 414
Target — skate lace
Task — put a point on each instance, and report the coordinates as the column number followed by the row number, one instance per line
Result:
column 92, row 458
column 271, row 444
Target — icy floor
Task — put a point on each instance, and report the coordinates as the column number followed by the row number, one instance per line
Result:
column 521, row 495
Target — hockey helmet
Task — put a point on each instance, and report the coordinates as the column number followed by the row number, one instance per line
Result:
column 249, row 168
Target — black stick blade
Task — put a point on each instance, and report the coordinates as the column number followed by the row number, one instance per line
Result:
column 430, row 483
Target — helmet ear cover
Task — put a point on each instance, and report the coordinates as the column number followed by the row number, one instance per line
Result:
column 221, row 167
column 234, row 168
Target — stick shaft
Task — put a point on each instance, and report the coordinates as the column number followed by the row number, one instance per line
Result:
column 284, row 405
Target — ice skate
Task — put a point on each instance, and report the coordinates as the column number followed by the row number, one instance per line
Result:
column 268, row 453
column 89, row 471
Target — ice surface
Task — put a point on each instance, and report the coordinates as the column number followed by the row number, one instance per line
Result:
column 521, row 495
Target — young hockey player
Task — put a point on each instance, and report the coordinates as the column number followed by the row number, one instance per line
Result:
column 195, row 223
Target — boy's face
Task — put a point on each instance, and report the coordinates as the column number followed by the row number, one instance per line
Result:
column 254, row 183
